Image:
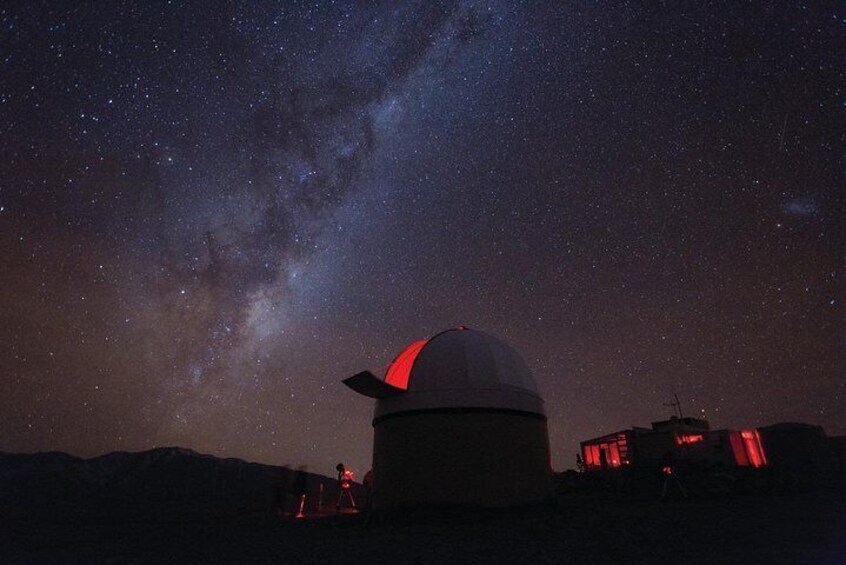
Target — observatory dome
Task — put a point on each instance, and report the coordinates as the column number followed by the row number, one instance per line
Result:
column 458, row 421
column 460, row 368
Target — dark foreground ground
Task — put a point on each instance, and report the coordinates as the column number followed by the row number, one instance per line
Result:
column 788, row 528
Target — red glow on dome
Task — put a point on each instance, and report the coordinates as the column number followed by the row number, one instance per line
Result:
column 400, row 368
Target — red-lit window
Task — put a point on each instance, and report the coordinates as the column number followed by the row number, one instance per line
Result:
column 688, row 439
column 747, row 448
column 591, row 455
column 608, row 452
column 754, row 449
column 738, row 449
column 613, row 456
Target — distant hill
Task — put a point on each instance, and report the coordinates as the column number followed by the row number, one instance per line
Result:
column 160, row 485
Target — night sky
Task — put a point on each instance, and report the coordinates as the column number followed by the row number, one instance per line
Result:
column 212, row 213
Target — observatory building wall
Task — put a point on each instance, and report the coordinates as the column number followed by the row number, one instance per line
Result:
column 460, row 457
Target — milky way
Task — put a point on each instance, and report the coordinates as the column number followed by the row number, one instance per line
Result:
column 212, row 213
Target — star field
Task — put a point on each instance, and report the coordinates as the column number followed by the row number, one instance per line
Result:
column 211, row 213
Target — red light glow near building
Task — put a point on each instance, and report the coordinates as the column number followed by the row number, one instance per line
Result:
column 688, row 439
column 747, row 448
column 608, row 452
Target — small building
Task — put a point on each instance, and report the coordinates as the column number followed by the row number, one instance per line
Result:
column 458, row 421
column 803, row 452
column 689, row 440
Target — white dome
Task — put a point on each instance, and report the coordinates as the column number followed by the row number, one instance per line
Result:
column 460, row 368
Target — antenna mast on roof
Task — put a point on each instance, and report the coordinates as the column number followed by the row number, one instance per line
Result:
column 676, row 404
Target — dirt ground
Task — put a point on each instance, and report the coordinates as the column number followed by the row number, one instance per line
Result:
column 796, row 529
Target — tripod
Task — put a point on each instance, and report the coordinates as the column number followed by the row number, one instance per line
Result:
column 670, row 476
column 345, row 492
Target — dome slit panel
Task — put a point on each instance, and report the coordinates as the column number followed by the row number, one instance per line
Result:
column 400, row 369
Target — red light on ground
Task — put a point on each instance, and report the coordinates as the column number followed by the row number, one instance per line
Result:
column 400, row 368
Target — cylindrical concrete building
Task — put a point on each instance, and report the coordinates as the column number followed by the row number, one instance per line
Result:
column 458, row 421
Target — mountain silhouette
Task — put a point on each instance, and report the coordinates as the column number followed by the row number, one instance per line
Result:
column 168, row 484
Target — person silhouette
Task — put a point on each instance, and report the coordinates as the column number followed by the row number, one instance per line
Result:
column 345, row 479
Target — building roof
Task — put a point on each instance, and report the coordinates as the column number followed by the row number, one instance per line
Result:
column 457, row 368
